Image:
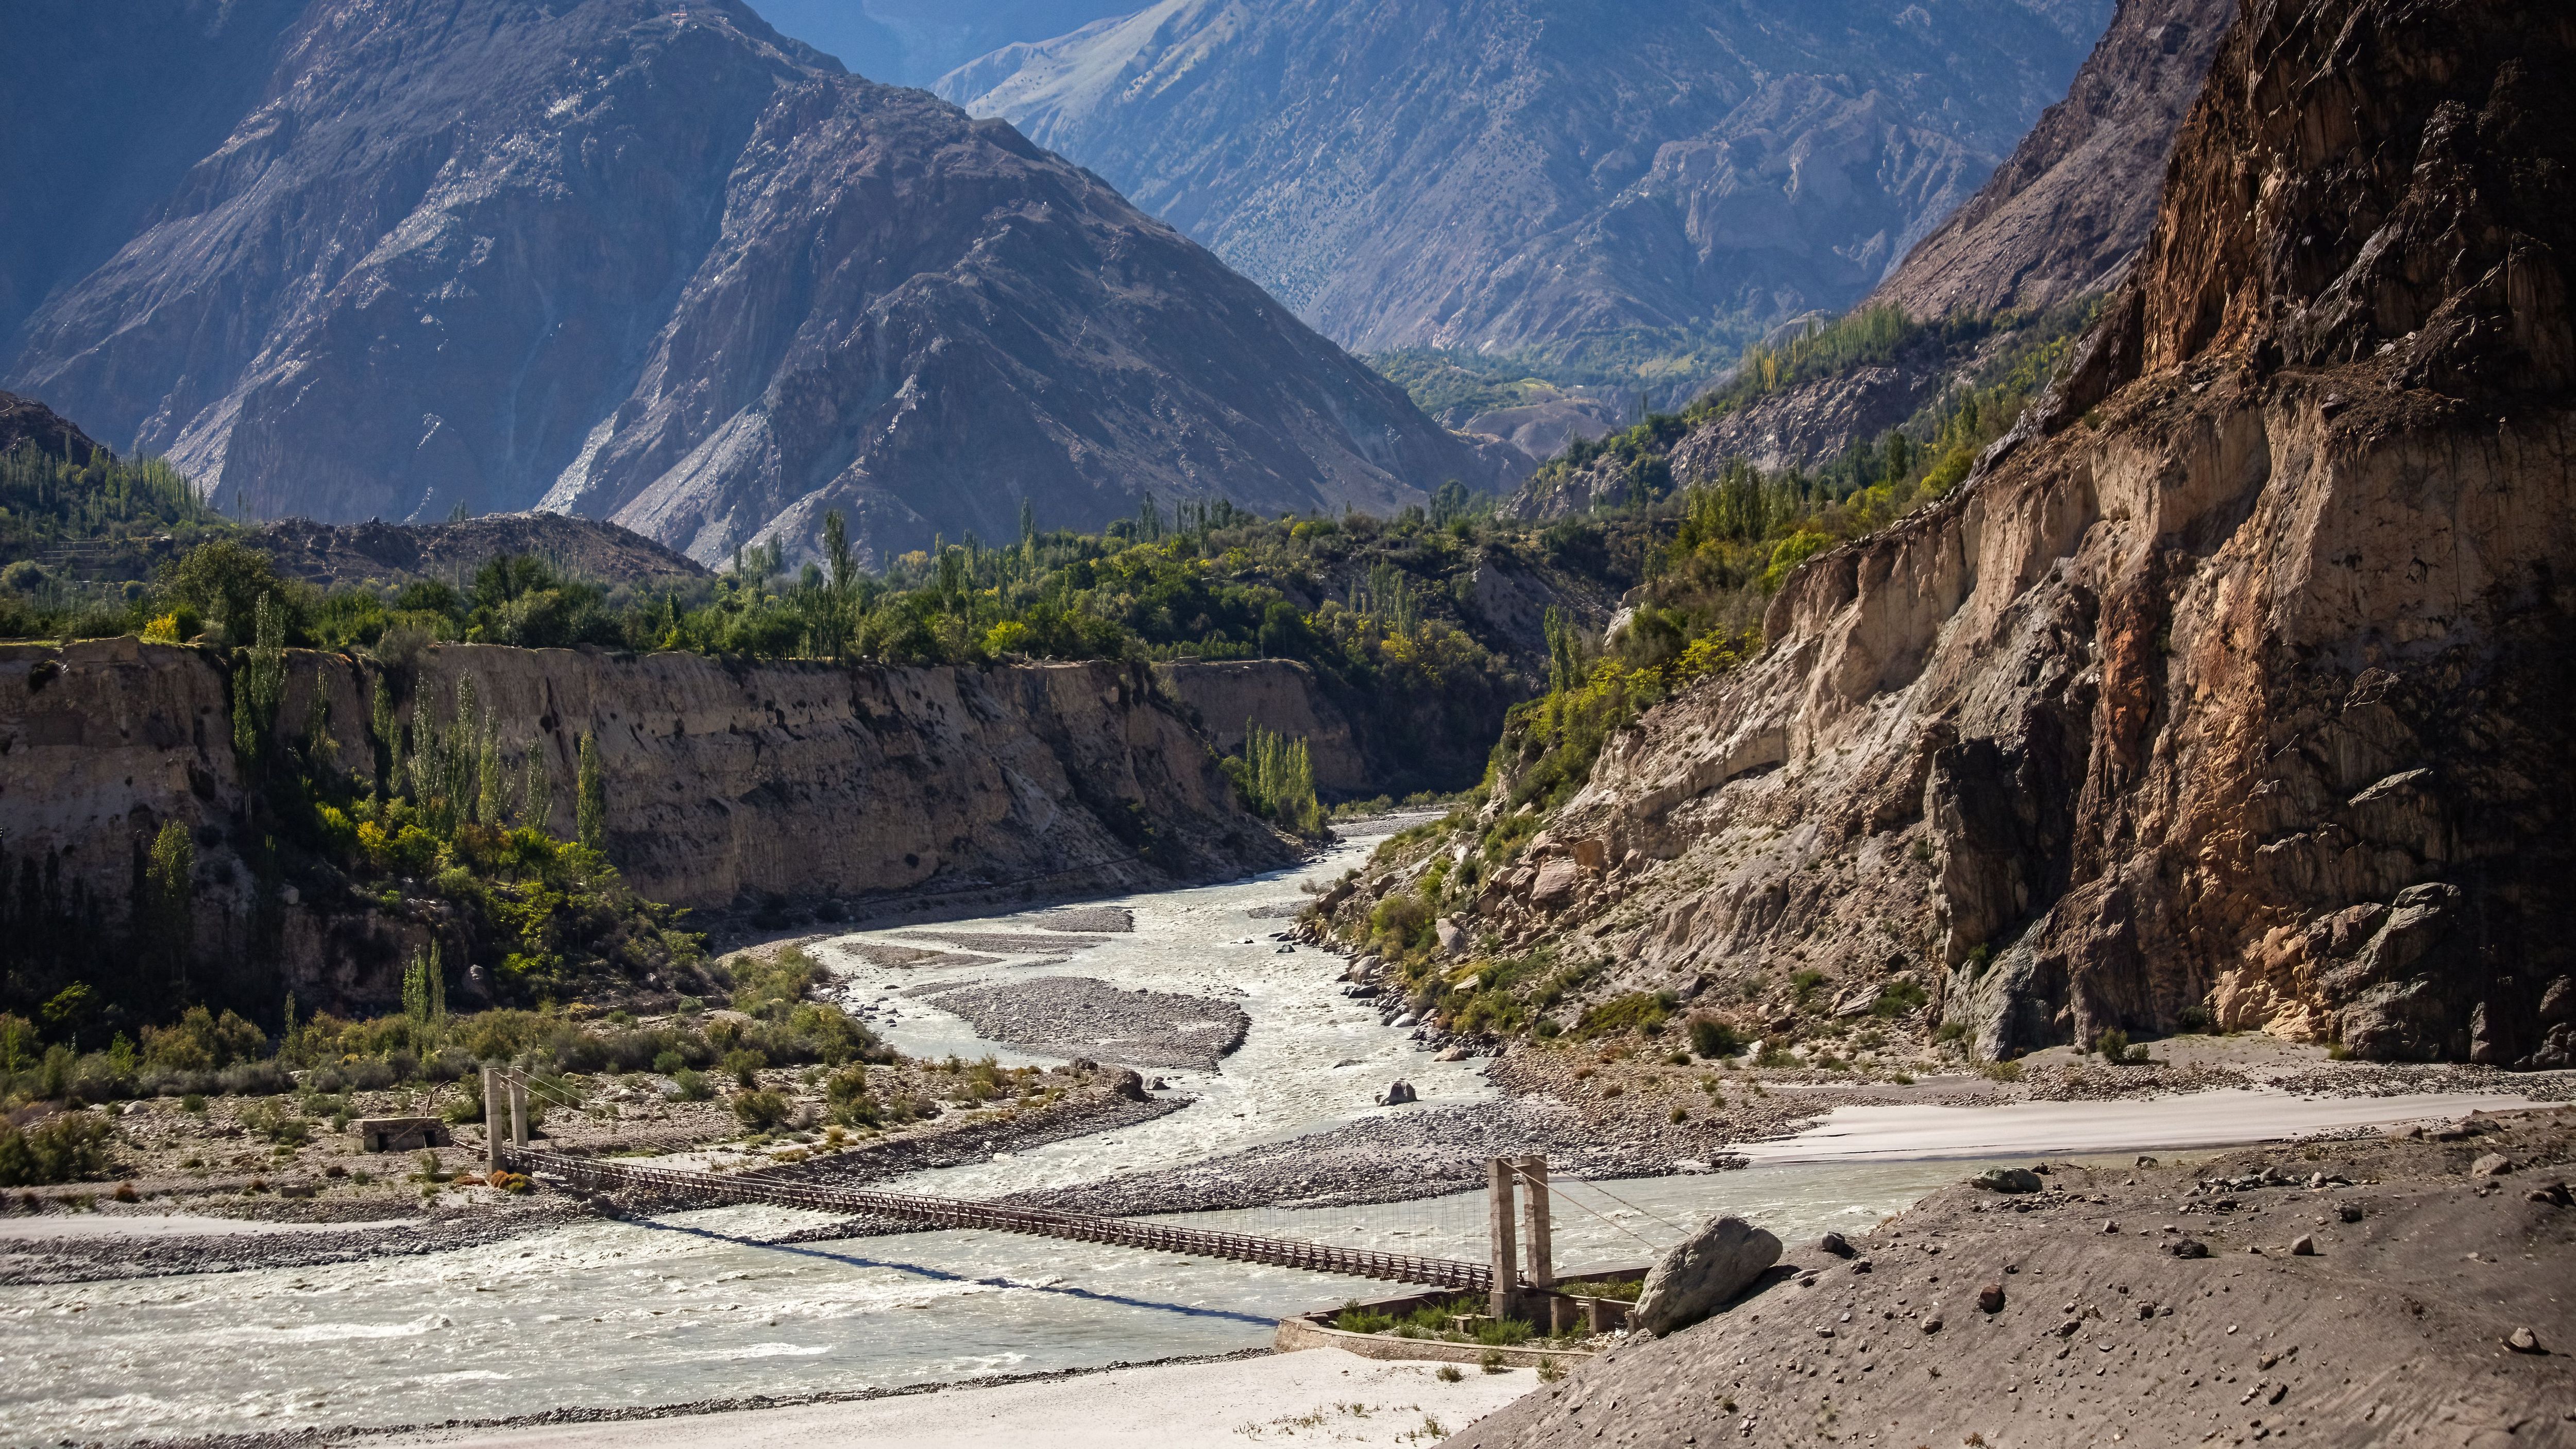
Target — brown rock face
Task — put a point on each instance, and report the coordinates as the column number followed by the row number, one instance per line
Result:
column 725, row 782
column 658, row 265
column 2237, row 684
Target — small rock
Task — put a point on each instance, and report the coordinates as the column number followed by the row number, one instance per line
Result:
column 1397, row 1094
column 2110, row 1225
column 1836, row 1244
column 1990, row 1298
column 2494, row 1164
column 2555, row 1194
column 1932, row 1325
column 2523, row 1340
column 2145, row 1161
column 1453, row 1054
column 1825, row 1332
column 2303, row 1246
column 2188, row 1248
column 2007, row 1179
column 1130, row 1085
column 1862, row 1266
column 2068, row 1328
column 2146, row 1310
column 2350, row 1212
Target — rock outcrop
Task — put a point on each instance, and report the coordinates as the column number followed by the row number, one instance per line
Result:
column 646, row 263
column 861, row 790
column 2235, row 686
column 1501, row 174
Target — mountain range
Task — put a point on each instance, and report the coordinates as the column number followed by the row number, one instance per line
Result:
column 1502, row 175
column 640, row 261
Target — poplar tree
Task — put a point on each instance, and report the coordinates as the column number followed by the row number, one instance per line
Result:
column 591, row 814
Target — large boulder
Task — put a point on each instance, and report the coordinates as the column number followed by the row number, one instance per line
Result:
column 1703, row 1274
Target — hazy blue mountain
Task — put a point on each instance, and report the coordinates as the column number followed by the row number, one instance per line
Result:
column 635, row 261
column 1507, row 174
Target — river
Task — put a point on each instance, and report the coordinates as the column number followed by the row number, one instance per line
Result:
column 694, row 1306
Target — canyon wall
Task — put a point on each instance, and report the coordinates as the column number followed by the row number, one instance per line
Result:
column 2236, row 686
column 860, row 789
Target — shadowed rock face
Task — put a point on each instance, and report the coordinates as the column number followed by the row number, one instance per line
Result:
column 2237, row 682
column 661, row 266
column 1509, row 172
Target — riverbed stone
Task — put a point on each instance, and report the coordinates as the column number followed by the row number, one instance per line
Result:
column 1702, row 1274
column 2007, row 1179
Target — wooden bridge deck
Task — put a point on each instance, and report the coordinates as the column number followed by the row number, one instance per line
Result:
column 938, row 1212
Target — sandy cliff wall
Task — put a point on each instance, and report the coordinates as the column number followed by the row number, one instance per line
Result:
column 725, row 782
column 2239, row 683
column 1277, row 694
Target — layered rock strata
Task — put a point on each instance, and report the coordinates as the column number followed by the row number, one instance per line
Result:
column 2235, row 687
column 870, row 788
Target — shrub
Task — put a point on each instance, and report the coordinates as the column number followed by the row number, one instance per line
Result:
column 1506, row 1331
column 1637, row 1011
column 760, row 1111
column 1355, row 1319
column 1448, row 1373
column 2113, row 1044
column 65, row 1147
column 744, row 1067
column 1713, row 1038
column 1491, row 1362
column 688, row 1086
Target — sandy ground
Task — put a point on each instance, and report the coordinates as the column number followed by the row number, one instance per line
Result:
column 1322, row 1396
column 168, row 1225
column 2201, row 1119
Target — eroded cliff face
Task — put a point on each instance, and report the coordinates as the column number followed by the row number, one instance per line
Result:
column 864, row 788
column 2237, row 683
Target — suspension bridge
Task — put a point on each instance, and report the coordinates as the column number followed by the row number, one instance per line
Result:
column 1508, row 1280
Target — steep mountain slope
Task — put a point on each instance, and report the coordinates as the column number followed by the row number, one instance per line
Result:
column 2236, row 685
column 1505, row 173
column 662, row 266
column 2054, row 225
column 2074, row 202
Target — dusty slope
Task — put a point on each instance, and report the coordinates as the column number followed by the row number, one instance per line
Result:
column 1506, row 173
column 2393, row 1332
column 652, row 264
column 2238, row 684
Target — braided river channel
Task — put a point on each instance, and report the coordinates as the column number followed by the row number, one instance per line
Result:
column 698, row 1306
